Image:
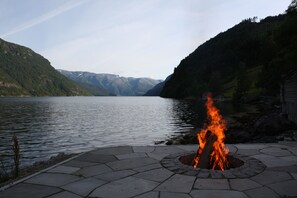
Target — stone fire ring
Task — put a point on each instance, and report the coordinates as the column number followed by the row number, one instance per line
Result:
column 251, row 167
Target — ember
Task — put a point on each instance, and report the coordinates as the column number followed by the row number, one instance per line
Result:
column 212, row 153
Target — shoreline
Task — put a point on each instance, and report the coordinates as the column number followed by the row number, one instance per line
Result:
column 262, row 122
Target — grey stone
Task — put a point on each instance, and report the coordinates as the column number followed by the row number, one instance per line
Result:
column 228, row 174
column 193, row 147
column 83, row 187
column 290, row 158
column 127, row 187
column 158, row 175
column 63, row 169
column 231, row 148
column 148, row 167
column 111, row 176
column 250, row 146
column 93, row 170
column 131, row 155
column 157, row 156
column 64, row 194
column 113, row 150
column 151, row 194
column 206, row 184
column 79, row 164
column 217, row 194
column 203, row 174
column 243, row 184
column 28, row 191
column 53, row 179
column 277, row 152
column 89, row 157
column 294, row 175
column 268, row 177
column 131, row 163
column 271, row 161
column 285, row 188
column 143, row 149
column 293, row 150
column 248, row 152
column 262, row 192
column 174, row 195
column 216, row 174
column 282, row 168
column 177, row 183
column 168, row 150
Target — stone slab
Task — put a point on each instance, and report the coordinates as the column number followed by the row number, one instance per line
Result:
column 158, row 175
column 93, row 170
column 275, row 151
column 157, row 156
column 262, row 192
column 268, row 177
column 53, row 179
column 96, row 158
column 83, row 187
column 217, row 194
column 131, row 155
column 148, row 167
column 243, row 184
column 79, row 164
column 192, row 147
column 173, row 195
column 231, row 148
column 28, row 191
column 113, row 150
column 251, row 146
column 272, row 161
column 64, row 194
column 151, row 194
column 177, row 183
column 131, row 163
column 143, row 149
column 111, row 176
column 168, row 150
column 63, row 169
column 127, row 187
column 248, row 152
column 285, row 188
column 207, row 184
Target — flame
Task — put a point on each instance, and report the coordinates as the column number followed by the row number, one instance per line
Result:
column 217, row 125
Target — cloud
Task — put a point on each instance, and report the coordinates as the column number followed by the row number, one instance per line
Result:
column 61, row 9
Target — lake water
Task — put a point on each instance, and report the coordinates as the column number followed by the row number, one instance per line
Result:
column 46, row 126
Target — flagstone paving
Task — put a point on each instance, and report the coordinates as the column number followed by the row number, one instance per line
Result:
column 137, row 171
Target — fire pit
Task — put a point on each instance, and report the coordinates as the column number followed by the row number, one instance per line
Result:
column 213, row 159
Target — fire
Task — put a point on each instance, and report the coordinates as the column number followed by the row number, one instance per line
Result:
column 217, row 125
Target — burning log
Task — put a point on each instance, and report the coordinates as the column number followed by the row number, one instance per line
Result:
column 204, row 158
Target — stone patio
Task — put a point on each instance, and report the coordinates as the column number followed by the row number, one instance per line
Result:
column 137, row 171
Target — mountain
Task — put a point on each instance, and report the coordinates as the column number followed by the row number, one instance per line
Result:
column 156, row 90
column 115, row 84
column 249, row 58
column 26, row 73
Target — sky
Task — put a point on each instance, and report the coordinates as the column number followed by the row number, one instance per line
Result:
column 132, row 38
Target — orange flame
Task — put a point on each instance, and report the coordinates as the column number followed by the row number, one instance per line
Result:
column 217, row 125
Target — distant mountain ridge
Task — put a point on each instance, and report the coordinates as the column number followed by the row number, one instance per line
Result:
column 26, row 73
column 114, row 84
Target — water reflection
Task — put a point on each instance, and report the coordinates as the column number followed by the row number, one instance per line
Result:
column 48, row 125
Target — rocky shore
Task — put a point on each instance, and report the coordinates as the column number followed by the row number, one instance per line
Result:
column 261, row 122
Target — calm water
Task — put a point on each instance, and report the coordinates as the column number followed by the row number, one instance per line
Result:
column 46, row 126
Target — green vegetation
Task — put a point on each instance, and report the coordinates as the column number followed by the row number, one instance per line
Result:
column 249, row 58
column 26, row 73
